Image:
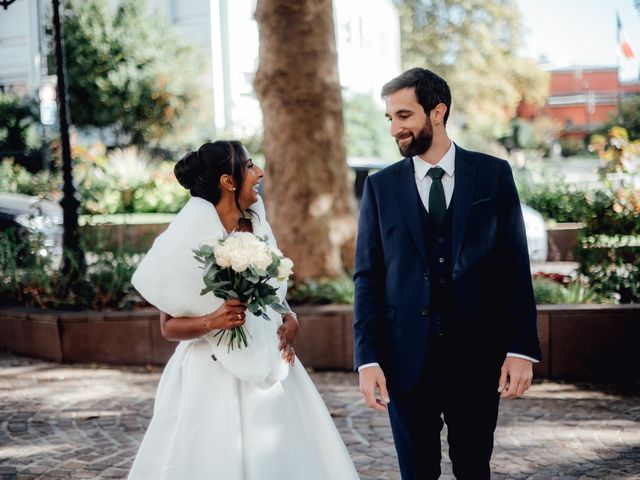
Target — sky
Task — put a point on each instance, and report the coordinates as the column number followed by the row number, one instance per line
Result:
column 581, row 32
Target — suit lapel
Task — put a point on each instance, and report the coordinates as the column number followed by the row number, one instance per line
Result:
column 407, row 193
column 465, row 179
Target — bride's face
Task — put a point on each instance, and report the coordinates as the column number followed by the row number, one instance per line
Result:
column 253, row 176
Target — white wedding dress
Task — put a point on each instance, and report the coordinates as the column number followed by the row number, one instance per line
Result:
column 245, row 415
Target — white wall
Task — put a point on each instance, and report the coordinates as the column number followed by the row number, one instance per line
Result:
column 368, row 44
column 19, row 47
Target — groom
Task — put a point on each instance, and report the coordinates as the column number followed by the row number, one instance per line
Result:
column 445, row 319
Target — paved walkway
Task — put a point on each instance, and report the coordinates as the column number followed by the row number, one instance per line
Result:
column 86, row 422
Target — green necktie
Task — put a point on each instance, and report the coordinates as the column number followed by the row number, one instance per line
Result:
column 437, row 202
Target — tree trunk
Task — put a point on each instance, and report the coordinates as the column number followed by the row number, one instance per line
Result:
column 308, row 186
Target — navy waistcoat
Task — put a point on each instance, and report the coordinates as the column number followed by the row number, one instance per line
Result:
column 438, row 249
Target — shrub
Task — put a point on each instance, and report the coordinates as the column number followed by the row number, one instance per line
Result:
column 547, row 291
column 553, row 288
column 105, row 189
column 612, row 266
column 16, row 178
column 570, row 147
column 105, row 285
column 324, row 291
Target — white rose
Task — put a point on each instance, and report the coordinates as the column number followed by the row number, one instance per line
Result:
column 240, row 261
column 285, row 269
column 262, row 258
column 222, row 255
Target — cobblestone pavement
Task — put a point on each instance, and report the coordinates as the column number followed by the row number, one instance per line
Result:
column 61, row 421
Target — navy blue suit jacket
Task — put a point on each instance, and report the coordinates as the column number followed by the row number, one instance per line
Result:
column 494, row 309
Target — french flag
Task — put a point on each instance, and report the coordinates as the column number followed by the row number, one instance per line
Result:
column 625, row 47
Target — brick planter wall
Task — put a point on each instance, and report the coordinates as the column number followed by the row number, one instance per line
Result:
column 579, row 342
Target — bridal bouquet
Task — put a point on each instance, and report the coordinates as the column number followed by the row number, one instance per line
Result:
column 240, row 266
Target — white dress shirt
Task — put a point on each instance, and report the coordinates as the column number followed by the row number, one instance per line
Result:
column 423, row 183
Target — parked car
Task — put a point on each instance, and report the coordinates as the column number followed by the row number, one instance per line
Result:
column 533, row 220
column 35, row 223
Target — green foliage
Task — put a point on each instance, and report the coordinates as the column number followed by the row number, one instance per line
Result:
column 474, row 46
column 128, row 71
column 557, row 289
column 16, row 118
column 612, row 266
column 547, row 291
column 39, row 282
column 629, row 118
column 105, row 187
column 15, row 178
column 366, row 129
column 324, row 291
column 606, row 208
column 609, row 248
column 550, row 195
column 570, row 147
column 616, row 151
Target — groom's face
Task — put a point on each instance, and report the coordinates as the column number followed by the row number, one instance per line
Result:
column 410, row 125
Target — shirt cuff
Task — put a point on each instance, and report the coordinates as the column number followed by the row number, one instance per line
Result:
column 367, row 365
column 518, row 355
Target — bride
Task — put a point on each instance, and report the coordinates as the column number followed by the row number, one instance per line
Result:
column 249, row 414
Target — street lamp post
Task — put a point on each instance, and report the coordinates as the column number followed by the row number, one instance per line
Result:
column 73, row 261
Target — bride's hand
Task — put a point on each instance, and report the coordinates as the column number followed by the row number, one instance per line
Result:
column 230, row 314
column 287, row 333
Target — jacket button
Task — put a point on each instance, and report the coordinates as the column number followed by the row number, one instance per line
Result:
column 426, row 276
column 440, row 239
column 441, row 259
column 425, row 312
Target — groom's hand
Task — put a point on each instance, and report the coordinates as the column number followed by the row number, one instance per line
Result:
column 515, row 377
column 370, row 378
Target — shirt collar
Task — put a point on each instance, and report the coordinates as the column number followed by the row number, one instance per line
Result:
column 447, row 163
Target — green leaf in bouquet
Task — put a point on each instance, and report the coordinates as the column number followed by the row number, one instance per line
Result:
column 223, row 294
column 279, row 308
column 265, row 290
column 209, row 275
column 253, row 308
column 257, row 274
column 206, row 249
column 270, row 299
column 206, row 290
column 272, row 270
column 249, row 292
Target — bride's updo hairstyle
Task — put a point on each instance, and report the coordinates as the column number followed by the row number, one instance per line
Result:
column 200, row 171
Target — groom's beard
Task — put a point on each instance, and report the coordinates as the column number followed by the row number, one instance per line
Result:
column 418, row 145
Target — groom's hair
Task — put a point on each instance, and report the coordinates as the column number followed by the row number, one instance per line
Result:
column 431, row 89
column 200, row 171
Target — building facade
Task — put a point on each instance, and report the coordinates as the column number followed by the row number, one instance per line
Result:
column 582, row 99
